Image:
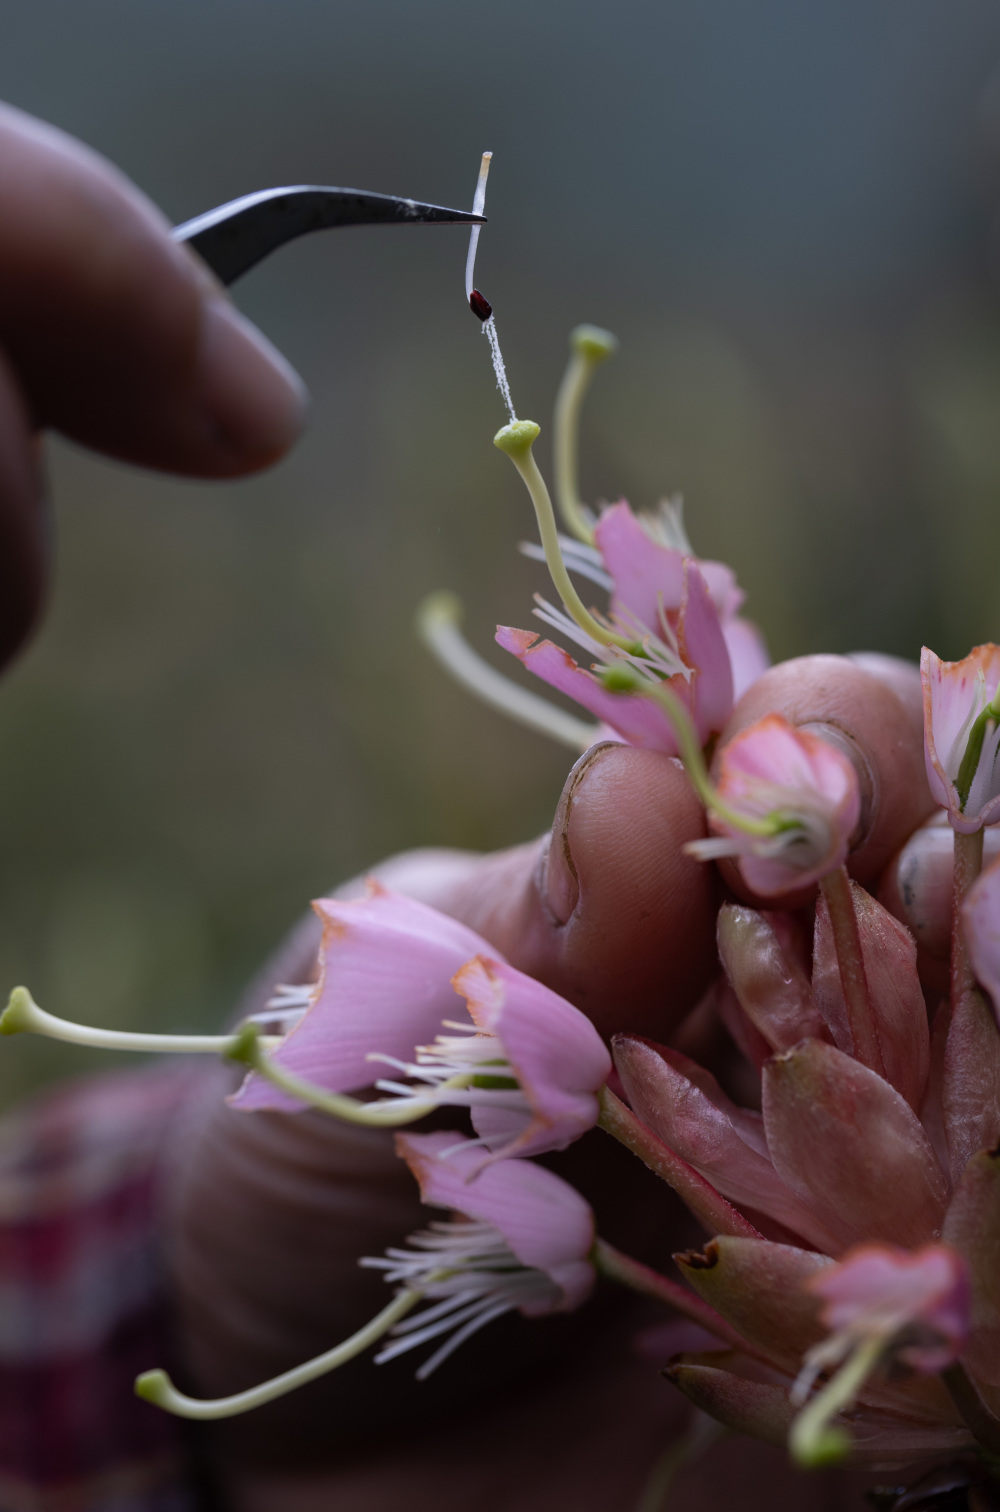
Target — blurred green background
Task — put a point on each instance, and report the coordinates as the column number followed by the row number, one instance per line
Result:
column 787, row 213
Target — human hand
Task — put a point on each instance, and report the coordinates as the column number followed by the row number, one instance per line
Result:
column 118, row 337
column 272, row 1211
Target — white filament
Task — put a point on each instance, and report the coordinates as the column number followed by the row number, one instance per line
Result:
column 478, row 202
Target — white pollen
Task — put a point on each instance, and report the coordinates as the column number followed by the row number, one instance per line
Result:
column 490, row 327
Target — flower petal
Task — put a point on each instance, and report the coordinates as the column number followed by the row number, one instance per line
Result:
column 700, row 1126
column 645, row 574
column 703, row 647
column 763, row 1411
column 849, row 1144
column 559, row 1058
column 890, row 956
column 951, row 697
column 758, row 1287
column 545, row 1221
column 748, row 654
column 773, row 990
column 386, row 964
column 639, row 721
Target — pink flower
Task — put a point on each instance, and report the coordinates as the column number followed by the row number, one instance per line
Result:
column 915, row 1303
column 520, row 1237
column 525, row 1062
column 962, row 735
column 684, row 647
column 895, row 1177
column 787, row 805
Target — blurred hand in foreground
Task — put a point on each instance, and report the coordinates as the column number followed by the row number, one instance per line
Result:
column 119, row 338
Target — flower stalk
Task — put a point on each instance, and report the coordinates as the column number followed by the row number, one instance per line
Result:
column 836, row 889
column 590, row 346
column 968, row 863
column 718, row 1215
column 23, row 1016
column 813, row 1443
column 156, row 1386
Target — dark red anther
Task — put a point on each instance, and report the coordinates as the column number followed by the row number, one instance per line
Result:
column 480, row 305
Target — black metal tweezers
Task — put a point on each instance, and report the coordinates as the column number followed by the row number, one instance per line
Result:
column 234, row 237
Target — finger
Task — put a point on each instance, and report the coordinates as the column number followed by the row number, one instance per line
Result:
column 120, row 337
column 870, row 708
column 23, row 521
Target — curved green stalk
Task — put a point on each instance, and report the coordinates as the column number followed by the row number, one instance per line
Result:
column 156, row 1386
column 590, row 346
column 23, row 1016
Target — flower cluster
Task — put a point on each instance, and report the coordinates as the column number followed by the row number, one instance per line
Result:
column 851, row 1273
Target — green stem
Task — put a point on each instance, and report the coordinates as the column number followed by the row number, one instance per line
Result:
column 23, row 1016
column 811, row 1441
column 641, row 1278
column 693, row 758
column 708, row 1205
column 247, row 1050
column 968, row 863
column 836, row 889
column 156, row 1386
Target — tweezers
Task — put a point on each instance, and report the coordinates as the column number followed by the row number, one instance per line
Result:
column 235, row 237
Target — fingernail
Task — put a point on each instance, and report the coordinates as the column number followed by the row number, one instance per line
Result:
column 255, row 399
column 559, row 883
column 844, row 742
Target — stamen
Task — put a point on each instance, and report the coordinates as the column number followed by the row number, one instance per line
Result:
column 23, row 1016
column 438, row 621
column 590, row 346
column 586, row 561
column 156, row 1386
column 516, row 440
column 478, row 201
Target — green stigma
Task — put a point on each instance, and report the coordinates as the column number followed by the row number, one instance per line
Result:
column 593, row 343
column 517, row 438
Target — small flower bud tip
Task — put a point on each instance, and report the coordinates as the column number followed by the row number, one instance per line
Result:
column 441, row 608
column 245, row 1048
column 16, row 1017
column 592, row 342
column 152, row 1386
column 480, row 305
column 518, row 437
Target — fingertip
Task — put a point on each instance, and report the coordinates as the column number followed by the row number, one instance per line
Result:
column 253, row 400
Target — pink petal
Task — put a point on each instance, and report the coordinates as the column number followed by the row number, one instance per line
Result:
column 386, row 966
column 645, row 574
column 849, row 1144
column 890, row 957
column 970, row 1085
column 703, row 1127
column 557, row 1055
column 545, row 1221
column 879, row 1288
column 949, row 696
column 748, row 655
column 703, row 646
column 981, row 919
column 639, row 721
column 772, row 988
column 973, row 1228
